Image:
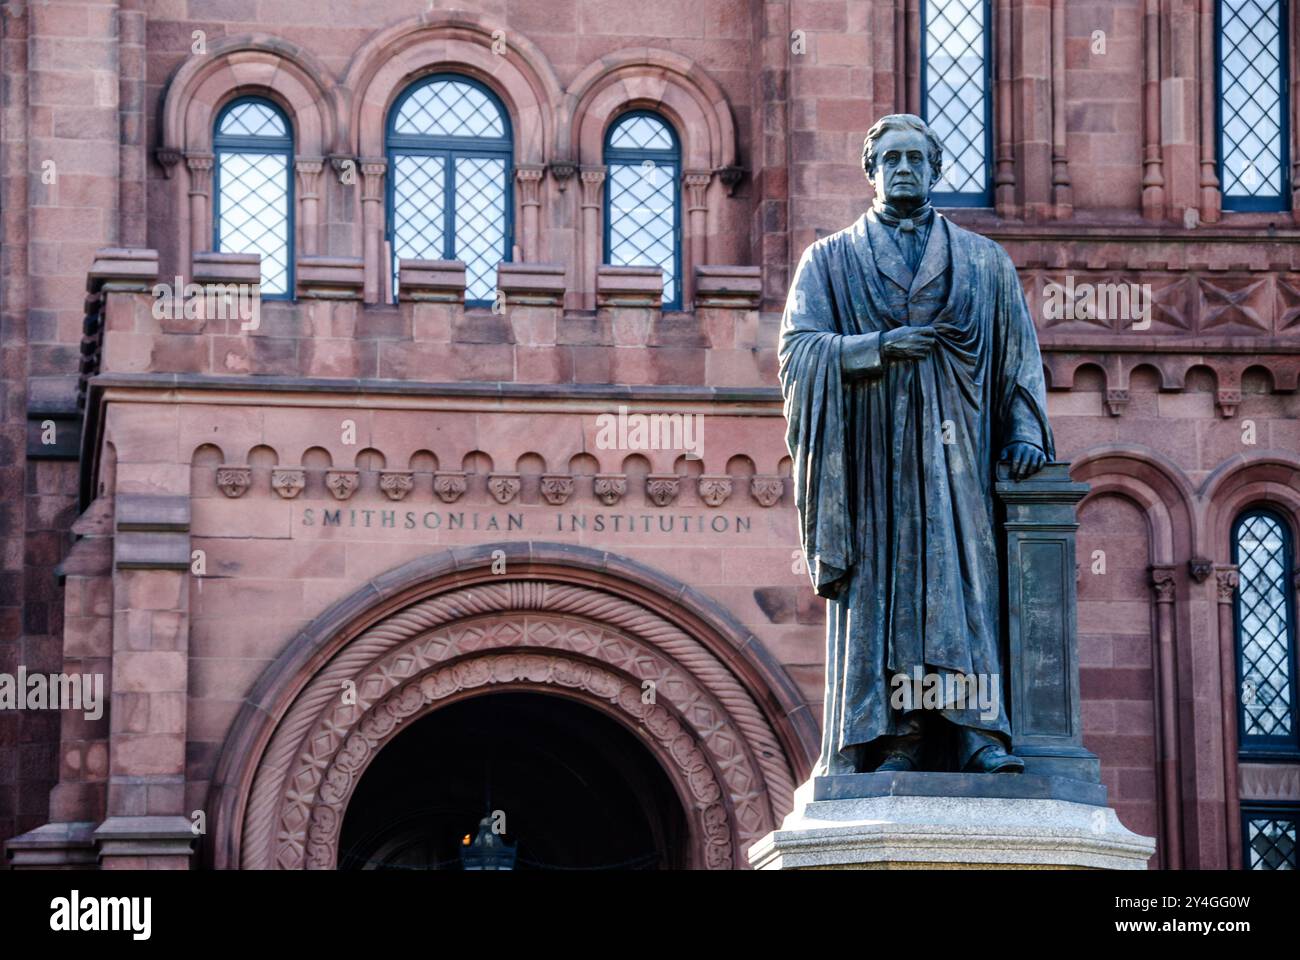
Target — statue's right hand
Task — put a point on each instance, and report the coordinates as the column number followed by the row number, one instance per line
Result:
column 907, row 343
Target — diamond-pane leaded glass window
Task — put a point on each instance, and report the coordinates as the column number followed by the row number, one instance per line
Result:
column 956, row 101
column 253, row 189
column 1265, row 631
column 642, row 216
column 1253, row 122
column 449, row 151
column 1270, row 835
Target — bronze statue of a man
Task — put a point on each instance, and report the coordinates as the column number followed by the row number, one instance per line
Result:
column 910, row 368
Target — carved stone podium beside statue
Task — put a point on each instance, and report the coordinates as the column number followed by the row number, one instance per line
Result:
column 940, row 530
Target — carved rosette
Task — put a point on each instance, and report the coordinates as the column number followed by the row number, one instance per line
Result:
column 342, row 483
column 662, row 488
column 233, row 481
column 504, row 487
column 714, row 490
column 609, row 488
column 766, row 490
column 556, row 488
column 449, row 485
column 288, row 482
column 396, row 484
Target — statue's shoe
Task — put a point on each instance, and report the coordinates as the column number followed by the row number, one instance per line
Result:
column 993, row 759
column 896, row 762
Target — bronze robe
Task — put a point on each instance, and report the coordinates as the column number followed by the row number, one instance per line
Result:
column 898, row 525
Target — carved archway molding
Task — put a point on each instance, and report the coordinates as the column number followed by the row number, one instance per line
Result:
column 732, row 744
column 614, row 693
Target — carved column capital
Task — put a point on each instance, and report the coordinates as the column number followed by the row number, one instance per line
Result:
column 1162, row 580
column 592, row 179
column 529, row 177
column 308, row 170
column 200, row 167
column 372, row 179
column 696, row 183
column 1226, row 578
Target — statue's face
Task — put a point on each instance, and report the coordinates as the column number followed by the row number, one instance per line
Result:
column 902, row 167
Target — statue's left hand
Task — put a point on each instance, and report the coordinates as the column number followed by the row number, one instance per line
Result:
column 1025, row 459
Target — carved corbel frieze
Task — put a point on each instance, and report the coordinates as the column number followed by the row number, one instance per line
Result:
column 342, row 483
column 233, row 480
column 766, row 490
column 609, row 488
column 714, row 490
column 288, row 482
column 662, row 488
column 450, row 485
column 504, row 487
column 396, row 484
column 557, row 488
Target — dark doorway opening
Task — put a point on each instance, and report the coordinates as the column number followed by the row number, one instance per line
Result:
column 578, row 791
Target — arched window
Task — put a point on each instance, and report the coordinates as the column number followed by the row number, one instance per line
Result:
column 1254, row 129
column 1266, row 630
column 253, row 198
column 642, row 209
column 449, row 153
column 957, row 98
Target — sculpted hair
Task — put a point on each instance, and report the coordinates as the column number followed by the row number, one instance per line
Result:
column 901, row 121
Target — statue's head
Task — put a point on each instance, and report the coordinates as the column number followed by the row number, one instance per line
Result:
column 902, row 158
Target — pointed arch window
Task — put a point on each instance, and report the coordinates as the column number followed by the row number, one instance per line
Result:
column 449, row 191
column 643, row 200
column 1265, row 622
column 252, row 145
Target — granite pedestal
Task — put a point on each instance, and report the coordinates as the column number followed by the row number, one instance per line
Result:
column 900, row 821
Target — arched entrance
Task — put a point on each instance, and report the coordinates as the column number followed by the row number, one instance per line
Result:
column 568, row 786
column 702, row 696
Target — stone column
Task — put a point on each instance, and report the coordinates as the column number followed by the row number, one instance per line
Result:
column 309, row 205
column 1162, row 580
column 1004, row 184
column 592, row 242
column 695, row 185
column 1042, row 623
column 1209, row 126
column 146, row 825
column 200, row 168
column 1153, row 176
column 1226, row 582
column 372, row 226
column 529, row 178
column 1062, row 192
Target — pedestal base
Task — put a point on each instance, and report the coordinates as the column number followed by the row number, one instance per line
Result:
column 945, row 832
column 145, row 843
column 54, row 846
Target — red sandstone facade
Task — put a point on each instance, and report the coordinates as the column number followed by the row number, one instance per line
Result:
column 414, row 498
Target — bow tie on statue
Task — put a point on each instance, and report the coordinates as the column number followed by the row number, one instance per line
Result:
column 891, row 218
column 910, row 232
